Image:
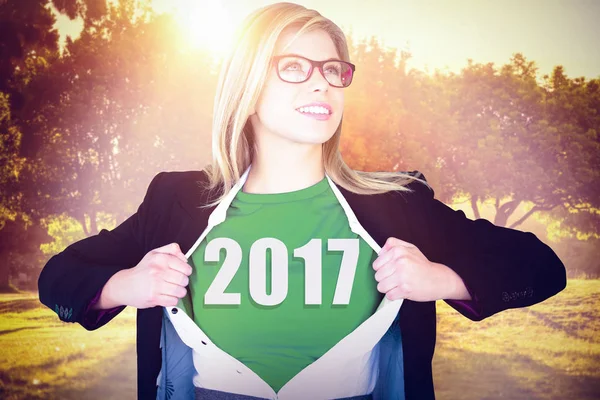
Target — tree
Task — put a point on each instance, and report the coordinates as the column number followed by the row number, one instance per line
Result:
column 28, row 43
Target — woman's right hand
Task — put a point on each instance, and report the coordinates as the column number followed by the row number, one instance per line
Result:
column 159, row 279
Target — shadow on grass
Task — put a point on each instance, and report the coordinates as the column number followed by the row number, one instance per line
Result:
column 118, row 381
column 15, row 388
column 115, row 378
column 6, row 332
column 19, row 305
column 464, row 374
column 568, row 329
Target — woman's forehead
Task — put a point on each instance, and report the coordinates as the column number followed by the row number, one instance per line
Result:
column 316, row 45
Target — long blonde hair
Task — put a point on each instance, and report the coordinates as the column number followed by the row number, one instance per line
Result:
column 242, row 76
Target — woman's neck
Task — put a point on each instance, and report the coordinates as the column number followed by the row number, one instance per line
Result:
column 281, row 172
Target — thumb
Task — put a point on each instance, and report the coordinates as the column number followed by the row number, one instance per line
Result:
column 173, row 249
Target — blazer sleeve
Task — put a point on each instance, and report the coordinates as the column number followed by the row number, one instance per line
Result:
column 501, row 267
column 72, row 280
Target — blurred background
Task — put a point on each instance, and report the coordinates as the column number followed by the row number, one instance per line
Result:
column 496, row 102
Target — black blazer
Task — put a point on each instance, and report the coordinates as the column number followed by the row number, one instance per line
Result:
column 501, row 267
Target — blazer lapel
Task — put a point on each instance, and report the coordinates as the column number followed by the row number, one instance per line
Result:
column 189, row 197
column 378, row 214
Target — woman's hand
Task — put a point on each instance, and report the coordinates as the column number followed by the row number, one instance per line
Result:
column 159, row 279
column 403, row 272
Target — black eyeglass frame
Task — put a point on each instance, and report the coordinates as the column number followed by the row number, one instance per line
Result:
column 313, row 64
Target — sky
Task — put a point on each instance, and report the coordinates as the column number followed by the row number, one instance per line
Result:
column 440, row 34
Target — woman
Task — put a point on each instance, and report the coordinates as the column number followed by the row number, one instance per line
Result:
column 327, row 284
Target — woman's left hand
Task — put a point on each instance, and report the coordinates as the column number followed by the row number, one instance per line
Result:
column 403, row 272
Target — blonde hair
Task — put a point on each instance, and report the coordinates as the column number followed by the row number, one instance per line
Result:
column 242, row 76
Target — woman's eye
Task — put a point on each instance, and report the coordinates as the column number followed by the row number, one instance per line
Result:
column 334, row 70
column 291, row 65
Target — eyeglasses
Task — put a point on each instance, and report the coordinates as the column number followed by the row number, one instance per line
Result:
column 293, row 68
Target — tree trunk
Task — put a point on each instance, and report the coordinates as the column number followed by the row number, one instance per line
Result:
column 5, row 240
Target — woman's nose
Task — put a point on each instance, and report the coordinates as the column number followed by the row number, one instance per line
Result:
column 317, row 80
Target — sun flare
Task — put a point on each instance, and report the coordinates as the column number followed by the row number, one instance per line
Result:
column 205, row 24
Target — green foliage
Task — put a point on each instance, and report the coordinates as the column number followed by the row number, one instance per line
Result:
column 65, row 230
column 82, row 132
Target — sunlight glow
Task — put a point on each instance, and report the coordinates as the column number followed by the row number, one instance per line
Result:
column 205, row 24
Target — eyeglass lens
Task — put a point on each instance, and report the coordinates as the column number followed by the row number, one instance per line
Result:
column 296, row 69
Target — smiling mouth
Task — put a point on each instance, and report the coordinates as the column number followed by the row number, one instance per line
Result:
column 314, row 110
column 315, row 116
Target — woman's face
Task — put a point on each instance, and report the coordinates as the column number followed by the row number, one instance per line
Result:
column 277, row 110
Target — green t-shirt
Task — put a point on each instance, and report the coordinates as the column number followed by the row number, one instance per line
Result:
column 284, row 318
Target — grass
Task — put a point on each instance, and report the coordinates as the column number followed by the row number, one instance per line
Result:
column 548, row 351
column 45, row 358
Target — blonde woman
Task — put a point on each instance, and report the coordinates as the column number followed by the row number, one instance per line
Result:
column 277, row 271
